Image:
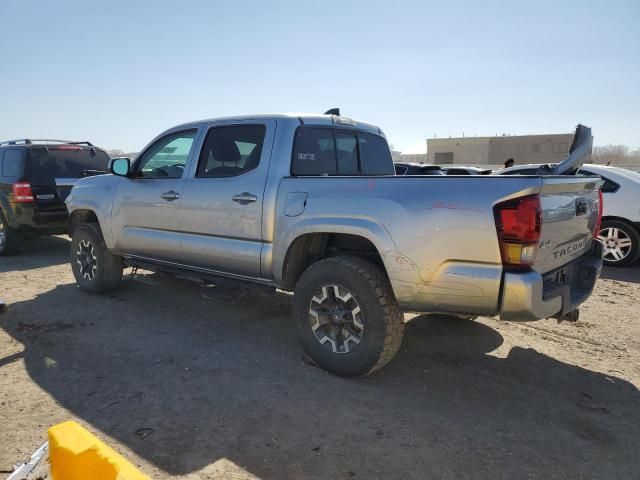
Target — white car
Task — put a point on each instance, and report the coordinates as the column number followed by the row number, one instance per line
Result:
column 620, row 230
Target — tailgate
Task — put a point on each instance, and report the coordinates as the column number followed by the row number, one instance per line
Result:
column 569, row 216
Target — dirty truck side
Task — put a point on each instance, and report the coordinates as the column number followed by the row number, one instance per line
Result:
column 310, row 204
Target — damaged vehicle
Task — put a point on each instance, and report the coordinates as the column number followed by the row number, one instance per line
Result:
column 310, row 204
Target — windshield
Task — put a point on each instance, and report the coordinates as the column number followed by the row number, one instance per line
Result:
column 48, row 163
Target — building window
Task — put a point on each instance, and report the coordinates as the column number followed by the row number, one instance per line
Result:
column 538, row 147
column 559, row 148
column 444, row 157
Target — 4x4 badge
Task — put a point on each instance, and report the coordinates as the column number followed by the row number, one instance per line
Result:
column 545, row 244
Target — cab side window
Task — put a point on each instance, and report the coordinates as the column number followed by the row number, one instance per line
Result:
column 231, row 150
column 167, row 157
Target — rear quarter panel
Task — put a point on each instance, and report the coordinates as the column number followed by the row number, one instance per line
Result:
column 436, row 235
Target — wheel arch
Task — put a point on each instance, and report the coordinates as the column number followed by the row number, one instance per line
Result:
column 620, row 219
column 307, row 248
column 81, row 216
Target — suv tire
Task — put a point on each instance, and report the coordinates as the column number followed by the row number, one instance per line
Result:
column 96, row 269
column 621, row 243
column 10, row 238
column 349, row 321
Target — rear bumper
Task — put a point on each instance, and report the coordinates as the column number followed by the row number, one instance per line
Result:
column 31, row 218
column 529, row 296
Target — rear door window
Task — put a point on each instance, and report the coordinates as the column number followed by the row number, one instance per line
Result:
column 231, row 150
column 48, row 163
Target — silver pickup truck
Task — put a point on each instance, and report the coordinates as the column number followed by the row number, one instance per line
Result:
column 310, row 204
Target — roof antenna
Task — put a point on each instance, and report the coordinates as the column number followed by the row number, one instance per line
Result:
column 333, row 111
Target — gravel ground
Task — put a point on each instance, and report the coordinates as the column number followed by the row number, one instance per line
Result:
column 205, row 383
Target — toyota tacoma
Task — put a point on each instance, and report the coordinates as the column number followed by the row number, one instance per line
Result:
column 310, row 204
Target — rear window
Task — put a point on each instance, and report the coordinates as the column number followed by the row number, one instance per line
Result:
column 47, row 164
column 327, row 151
column 12, row 163
column 375, row 155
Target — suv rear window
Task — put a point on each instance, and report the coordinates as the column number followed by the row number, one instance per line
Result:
column 45, row 164
column 330, row 151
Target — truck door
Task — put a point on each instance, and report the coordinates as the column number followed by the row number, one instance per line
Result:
column 221, row 210
column 146, row 207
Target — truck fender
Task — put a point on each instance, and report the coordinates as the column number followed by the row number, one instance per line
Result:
column 362, row 227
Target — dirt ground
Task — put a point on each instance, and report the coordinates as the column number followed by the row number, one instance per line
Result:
column 206, row 383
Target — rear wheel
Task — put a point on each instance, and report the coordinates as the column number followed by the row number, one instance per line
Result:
column 621, row 243
column 10, row 238
column 348, row 319
column 95, row 268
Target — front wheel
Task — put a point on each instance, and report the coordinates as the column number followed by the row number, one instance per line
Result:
column 348, row 319
column 95, row 268
column 621, row 243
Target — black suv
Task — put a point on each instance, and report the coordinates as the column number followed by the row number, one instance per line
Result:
column 35, row 178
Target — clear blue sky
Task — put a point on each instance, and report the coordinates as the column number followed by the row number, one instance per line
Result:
column 119, row 72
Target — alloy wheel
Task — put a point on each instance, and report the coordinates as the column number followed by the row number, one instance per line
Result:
column 617, row 244
column 86, row 259
column 336, row 318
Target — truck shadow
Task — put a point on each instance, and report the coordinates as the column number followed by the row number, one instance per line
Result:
column 186, row 376
column 38, row 252
column 628, row 274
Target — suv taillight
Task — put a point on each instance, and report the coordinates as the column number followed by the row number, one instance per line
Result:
column 596, row 230
column 518, row 224
column 22, row 192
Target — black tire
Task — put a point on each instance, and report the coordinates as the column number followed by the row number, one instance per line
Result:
column 379, row 314
column 615, row 235
column 96, row 269
column 10, row 238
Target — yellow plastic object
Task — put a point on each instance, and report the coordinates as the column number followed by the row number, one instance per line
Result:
column 75, row 454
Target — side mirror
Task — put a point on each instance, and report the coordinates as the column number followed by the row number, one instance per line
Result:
column 120, row 166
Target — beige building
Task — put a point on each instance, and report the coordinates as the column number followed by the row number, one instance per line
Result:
column 496, row 150
column 412, row 158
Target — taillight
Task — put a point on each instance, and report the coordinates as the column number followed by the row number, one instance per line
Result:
column 518, row 224
column 22, row 192
column 596, row 230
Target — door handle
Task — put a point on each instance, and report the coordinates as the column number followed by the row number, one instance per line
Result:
column 244, row 198
column 170, row 196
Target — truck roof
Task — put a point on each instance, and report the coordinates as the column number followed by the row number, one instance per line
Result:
column 302, row 118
